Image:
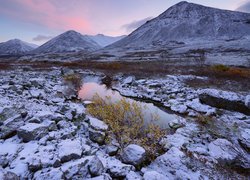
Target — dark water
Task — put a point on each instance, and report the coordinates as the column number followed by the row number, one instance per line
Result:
column 92, row 86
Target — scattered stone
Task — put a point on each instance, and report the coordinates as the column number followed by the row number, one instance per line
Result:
column 245, row 139
column 177, row 123
column 32, row 131
column 95, row 167
column 133, row 154
column 223, row 151
column 69, row 150
column 97, row 124
column 49, row 173
column 97, row 136
column 224, row 100
column 112, row 150
column 153, row 175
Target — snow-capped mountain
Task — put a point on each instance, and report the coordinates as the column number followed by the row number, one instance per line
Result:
column 16, row 46
column 185, row 22
column 104, row 40
column 70, row 41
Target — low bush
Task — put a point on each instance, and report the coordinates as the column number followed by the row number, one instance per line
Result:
column 220, row 67
column 126, row 123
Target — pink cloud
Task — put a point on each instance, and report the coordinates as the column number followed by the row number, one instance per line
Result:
column 45, row 13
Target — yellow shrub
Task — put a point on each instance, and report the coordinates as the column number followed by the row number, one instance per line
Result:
column 126, row 122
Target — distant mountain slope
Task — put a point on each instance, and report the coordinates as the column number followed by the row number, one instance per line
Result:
column 70, row 41
column 104, row 40
column 15, row 46
column 186, row 22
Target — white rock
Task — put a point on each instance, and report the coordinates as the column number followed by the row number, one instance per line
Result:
column 245, row 138
column 32, row 131
column 69, row 149
column 153, row 175
column 223, row 150
column 133, row 154
column 97, row 124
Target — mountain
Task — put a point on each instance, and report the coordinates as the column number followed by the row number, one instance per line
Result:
column 70, row 41
column 103, row 40
column 15, row 47
column 185, row 22
column 187, row 30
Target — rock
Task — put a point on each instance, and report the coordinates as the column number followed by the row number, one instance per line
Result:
column 7, row 175
column 102, row 177
column 177, row 123
column 223, row 151
column 129, row 80
column 196, row 105
column 97, row 124
column 77, row 169
column 172, row 165
column 120, row 170
column 6, row 132
column 14, row 122
column 247, row 101
column 96, row 167
column 153, row 175
column 175, row 140
column 224, row 100
column 112, row 150
column 97, row 136
column 245, row 139
column 49, row 173
column 133, row 154
column 32, row 131
column 34, row 165
column 69, row 149
column 180, row 108
column 133, row 176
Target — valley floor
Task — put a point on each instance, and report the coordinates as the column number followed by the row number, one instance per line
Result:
column 47, row 134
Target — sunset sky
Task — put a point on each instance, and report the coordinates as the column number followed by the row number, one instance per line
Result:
column 37, row 21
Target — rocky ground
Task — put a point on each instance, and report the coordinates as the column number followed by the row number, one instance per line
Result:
column 46, row 133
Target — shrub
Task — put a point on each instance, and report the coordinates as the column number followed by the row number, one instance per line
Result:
column 220, row 67
column 126, row 122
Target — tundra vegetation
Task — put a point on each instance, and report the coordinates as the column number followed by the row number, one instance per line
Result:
column 127, row 124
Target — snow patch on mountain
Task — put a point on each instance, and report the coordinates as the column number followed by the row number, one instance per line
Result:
column 15, row 47
column 104, row 40
column 70, row 41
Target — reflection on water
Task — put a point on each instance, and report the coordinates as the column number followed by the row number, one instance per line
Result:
column 89, row 89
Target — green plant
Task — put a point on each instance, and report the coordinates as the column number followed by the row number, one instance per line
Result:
column 126, row 123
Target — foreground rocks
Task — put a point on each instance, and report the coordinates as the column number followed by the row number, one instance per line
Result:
column 225, row 100
column 46, row 135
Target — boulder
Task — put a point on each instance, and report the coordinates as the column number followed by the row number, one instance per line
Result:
column 96, row 167
column 245, row 139
column 69, row 150
column 32, row 131
column 224, row 100
column 49, row 173
column 153, row 175
column 223, row 151
column 97, row 124
column 97, row 136
column 133, row 154
column 77, row 169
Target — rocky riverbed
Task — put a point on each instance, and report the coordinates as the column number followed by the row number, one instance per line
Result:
column 46, row 133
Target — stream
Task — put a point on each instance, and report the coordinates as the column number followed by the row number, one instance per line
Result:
column 92, row 86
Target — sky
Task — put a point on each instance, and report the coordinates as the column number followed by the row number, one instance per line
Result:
column 37, row 21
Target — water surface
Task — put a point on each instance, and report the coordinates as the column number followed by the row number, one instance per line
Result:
column 92, row 86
